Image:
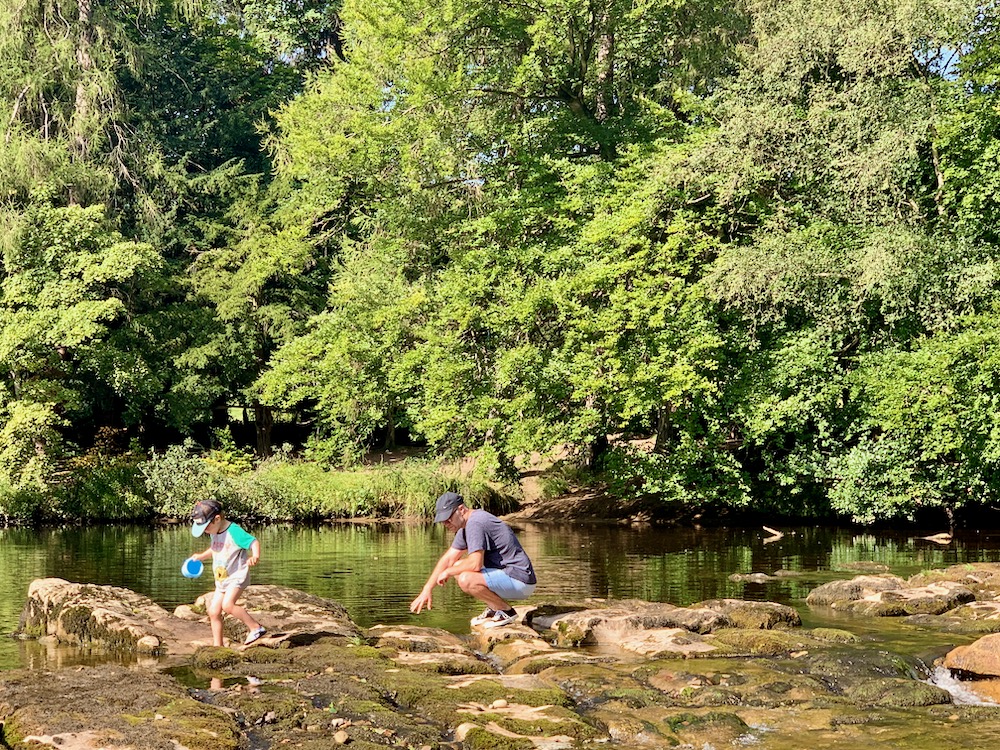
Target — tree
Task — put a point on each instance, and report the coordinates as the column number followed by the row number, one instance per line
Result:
column 70, row 346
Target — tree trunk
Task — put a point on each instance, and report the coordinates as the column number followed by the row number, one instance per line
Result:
column 390, row 430
column 666, row 434
column 263, row 419
column 84, row 59
column 605, row 67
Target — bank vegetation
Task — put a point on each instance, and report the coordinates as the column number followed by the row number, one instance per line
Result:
column 735, row 255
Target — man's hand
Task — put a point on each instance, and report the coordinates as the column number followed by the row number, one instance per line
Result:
column 443, row 578
column 424, row 600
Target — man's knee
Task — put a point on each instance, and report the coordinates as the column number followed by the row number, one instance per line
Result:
column 468, row 581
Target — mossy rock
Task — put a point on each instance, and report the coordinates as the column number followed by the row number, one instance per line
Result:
column 637, row 697
column 569, row 635
column 196, row 726
column 834, row 635
column 630, row 730
column 536, row 665
column 588, row 682
column 845, row 666
column 215, row 658
column 759, row 642
column 718, row 727
column 283, row 707
column 262, row 655
column 557, row 721
column 482, row 739
column 81, row 623
column 341, row 654
column 439, row 704
column 954, row 622
column 897, row 693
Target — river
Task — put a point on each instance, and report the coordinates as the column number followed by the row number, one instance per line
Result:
column 376, row 569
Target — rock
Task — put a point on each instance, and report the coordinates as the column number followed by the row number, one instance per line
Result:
column 825, row 683
column 980, row 658
column 507, row 652
column 443, row 663
column 838, row 592
column 148, row 644
column 116, row 618
column 611, row 624
column 661, row 642
column 487, row 640
column 864, row 566
column 757, row 642
column 750, row 578
column 97, row 707
column 417, row 639
column 744, row 614
column 897, row 693
column 932, row 599
column 973, row 575
column 782, row 573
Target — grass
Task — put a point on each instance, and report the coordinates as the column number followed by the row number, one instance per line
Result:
column 165, row 486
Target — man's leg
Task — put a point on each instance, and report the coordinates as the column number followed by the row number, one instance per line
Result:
column 474, row 584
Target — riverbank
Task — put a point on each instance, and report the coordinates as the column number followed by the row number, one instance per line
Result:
column 626, row 674
column 164, row 487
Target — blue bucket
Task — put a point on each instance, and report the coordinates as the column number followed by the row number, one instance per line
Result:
column 192, row 568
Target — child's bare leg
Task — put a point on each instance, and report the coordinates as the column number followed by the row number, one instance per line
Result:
column 230, row 606
column 215, row 617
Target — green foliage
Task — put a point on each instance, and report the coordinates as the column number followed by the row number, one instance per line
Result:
column 692, row 476
column 177, row 479
column 760, row 237
column 931, row 436
column 281, row 489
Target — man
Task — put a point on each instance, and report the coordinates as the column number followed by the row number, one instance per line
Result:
column 485, row 559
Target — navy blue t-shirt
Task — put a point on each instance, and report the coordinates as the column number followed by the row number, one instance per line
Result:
column 500, row 547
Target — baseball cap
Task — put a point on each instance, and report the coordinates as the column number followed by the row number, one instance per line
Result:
column 202, row 515
column 446, row 505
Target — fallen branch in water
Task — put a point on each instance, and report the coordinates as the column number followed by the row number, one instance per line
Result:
column 775, row 534
column 938, row 538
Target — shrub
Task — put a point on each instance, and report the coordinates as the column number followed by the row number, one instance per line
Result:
column 178, row 478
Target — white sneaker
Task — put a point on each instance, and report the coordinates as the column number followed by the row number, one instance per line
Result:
column 483, row 618
column 499, row 619
column 254, row 635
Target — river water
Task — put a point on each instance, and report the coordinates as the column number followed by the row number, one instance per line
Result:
column 376, row 569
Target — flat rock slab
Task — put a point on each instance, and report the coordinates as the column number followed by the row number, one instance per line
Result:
column 610, row 625
column 90, row 708
column 108, row 616
column 838, row 592
column 417, row 639
column 120, row 619
column 933, row 599
column 665, row 642
column 760, row 615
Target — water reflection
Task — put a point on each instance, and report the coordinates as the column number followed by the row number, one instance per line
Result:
column 376, row 569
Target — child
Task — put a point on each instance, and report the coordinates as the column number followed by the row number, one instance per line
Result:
column 233, row 552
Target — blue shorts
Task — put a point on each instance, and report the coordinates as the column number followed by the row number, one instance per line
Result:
column 506, row 587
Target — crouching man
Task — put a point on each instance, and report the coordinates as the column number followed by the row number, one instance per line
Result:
column 485, row 559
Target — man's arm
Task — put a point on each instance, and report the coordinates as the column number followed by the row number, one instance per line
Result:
column 447, row 560
column 473, row 562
